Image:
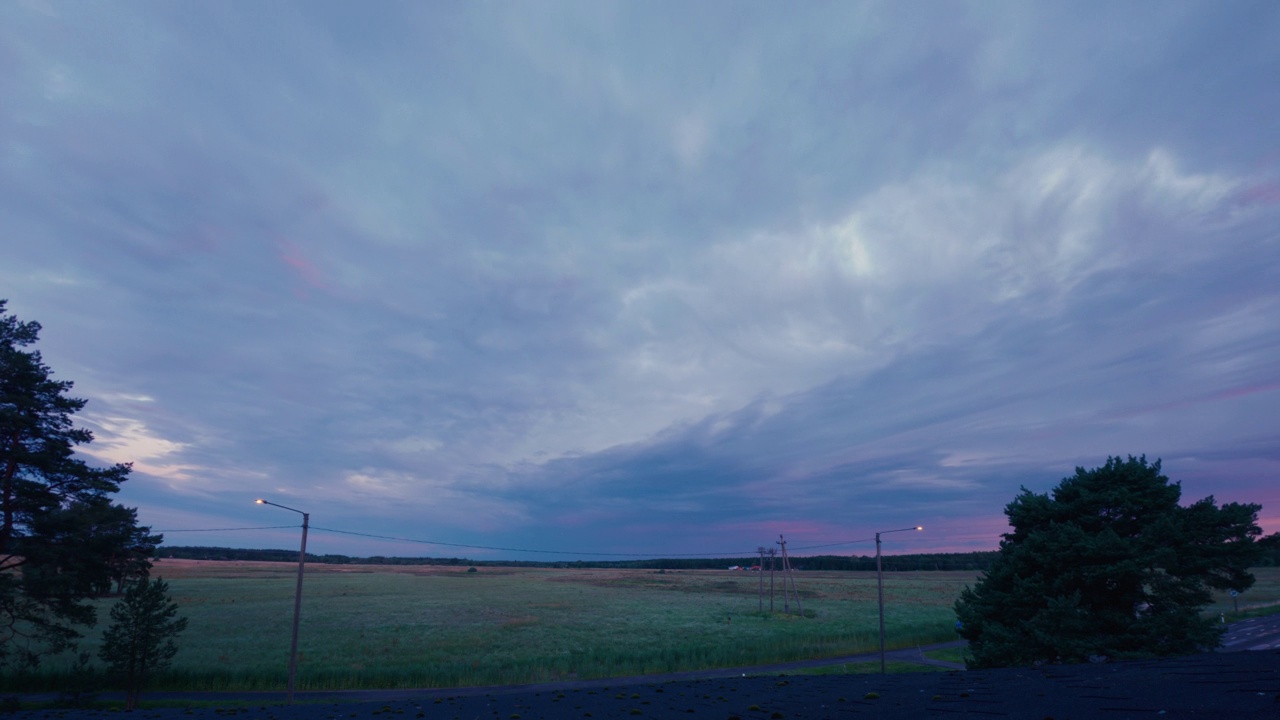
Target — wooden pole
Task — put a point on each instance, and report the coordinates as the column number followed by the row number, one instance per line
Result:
column 786, row 597
column 772, row 557
column 786, row 573
column 760, row 567
column 794, row 588
column 297, row 607
column 880, row 595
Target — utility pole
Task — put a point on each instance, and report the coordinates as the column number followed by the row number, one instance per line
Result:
column 786, row 597
column 786, row 573
column 880, row 587
column 297, row 596
column 772, row 552
column 760, row 567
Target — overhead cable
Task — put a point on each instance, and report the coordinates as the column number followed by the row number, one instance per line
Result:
column 517, row 550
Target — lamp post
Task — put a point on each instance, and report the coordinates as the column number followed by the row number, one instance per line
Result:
column 297, row 596
column 880, row 586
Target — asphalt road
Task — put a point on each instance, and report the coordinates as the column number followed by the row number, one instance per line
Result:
column 1262, row 633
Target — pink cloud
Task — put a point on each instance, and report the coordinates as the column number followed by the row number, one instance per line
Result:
column 1267, row 193
column 1228, row 394
column 303, row 268
column 1244, row 390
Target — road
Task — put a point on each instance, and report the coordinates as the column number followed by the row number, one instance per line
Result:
column 1261, row 633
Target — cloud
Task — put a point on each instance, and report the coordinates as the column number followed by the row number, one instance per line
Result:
column 945, row 310
column 969, row 390
column 125, row 440
column 614, row 275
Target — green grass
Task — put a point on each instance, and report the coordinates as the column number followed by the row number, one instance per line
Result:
column 1261, row 599
column 415, row 626
column 956, row 654
column 1253, row 612
column 866, row 668
column 383, row 627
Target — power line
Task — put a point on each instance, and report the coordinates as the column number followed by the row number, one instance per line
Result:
column 524, row 550
column 517, row 550
column 268, row 527
column 846, row 542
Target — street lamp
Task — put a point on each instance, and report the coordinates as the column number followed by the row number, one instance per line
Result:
column 297, row 596
column 880, row 586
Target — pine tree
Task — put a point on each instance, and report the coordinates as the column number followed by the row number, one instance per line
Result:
column 141, row 640
column 62, row 541
column 1108, row 566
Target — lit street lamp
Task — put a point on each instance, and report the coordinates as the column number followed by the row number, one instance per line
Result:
column 297, row 596
column 880, row 586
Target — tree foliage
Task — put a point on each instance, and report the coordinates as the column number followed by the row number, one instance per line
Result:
column 62, row 540
column 1108, row 565
column 141, row 640
column 1270, row 546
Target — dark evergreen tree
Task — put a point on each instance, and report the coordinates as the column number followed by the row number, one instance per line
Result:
column 1270, row 550
column 1109, row 565
column 92, row 547
column 61, row 539
column 141, row 640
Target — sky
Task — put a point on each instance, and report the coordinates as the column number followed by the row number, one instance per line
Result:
column 593, row 280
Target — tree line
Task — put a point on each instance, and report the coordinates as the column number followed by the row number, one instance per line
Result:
column 977, row 561
column 971, row 561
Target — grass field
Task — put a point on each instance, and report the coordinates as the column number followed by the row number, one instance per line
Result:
column 433, row 626
column 1261, row 599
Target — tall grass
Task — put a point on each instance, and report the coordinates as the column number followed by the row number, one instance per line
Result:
column 366, row 627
